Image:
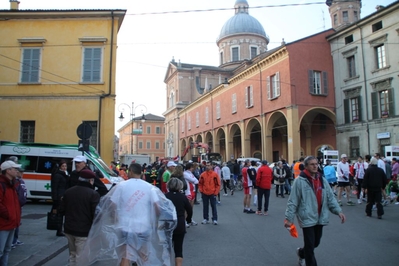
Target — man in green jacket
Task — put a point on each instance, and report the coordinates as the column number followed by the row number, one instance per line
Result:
column 311, row 200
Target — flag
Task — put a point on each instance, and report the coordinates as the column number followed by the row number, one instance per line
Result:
column 176, row 158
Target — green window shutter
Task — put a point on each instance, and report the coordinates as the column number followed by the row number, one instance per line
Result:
column 391, row 103
column 347, row 111
column 30, row 65
column 310, row 77
column 374, row 105
column 325, row 83
column 359, row 102
column 92, row 65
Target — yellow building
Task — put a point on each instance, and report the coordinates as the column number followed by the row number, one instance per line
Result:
column 57, row 69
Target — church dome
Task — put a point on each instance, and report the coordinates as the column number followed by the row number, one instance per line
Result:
column 242, row 23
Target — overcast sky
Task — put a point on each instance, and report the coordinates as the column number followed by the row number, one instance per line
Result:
column 148, row 42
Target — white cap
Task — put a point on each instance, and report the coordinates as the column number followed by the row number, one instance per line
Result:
column 343, row 156
column 9, row 164
column 171, row 163
column 80, row 158
column 190, row 161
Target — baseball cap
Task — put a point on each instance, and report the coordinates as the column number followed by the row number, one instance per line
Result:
column 87, row 174
column 9, row 164
column 171, row 163
column 344, row 155
column 80, row 158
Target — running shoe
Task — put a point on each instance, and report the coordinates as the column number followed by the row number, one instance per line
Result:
column 359, row 201
column 225, row 194
column 232, row 192
column 250, row 211
column 301, row 261
column 19, row 243
column 194, row 223
column 350, row 203
column 215, row 222
column 340, row 203
column 205, row 221
column 245, row 211
column 187, row 225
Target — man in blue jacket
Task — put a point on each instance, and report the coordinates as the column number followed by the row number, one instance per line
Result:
column 311, row 200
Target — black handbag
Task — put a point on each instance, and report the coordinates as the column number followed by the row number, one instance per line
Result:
column 53, row 220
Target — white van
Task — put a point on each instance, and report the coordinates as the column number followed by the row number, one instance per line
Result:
column 240, row 160
column 39, row 159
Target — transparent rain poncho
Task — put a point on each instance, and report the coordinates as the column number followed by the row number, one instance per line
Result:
column 133, row 221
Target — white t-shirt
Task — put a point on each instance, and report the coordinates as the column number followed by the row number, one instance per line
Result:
column 343, row 171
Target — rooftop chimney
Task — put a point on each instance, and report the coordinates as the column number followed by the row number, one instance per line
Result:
column 14, row 4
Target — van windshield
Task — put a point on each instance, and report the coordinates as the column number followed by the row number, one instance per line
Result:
column 106, row 168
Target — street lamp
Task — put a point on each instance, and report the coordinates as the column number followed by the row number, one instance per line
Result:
column 132, row 110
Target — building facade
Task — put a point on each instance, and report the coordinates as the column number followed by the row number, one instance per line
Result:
column 57, row 71
column 143, row 136
column 268, row 104
column 365, row 56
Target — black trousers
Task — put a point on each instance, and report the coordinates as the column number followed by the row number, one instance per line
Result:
column 374, row 197
column 263, row 192
column 311, row 237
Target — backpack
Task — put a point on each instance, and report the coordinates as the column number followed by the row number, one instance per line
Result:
column 252, row 174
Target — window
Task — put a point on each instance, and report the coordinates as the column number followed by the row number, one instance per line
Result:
column 352, row 110
column 171, row 99
column 182, row 126
column 93, row 138
column 148, row 145
column 197, row 119
column 30, row 65
column 354, row 147
column 318, row 83
column 218, row 110
column 351, row 66
column 206, row 115
column 335, row 20
column 157, row 130
column 345, row 17
column 380, row 56
column 249, row 97
column 382, row 104
column 148, row 129
column 157, row 145
column 221, row 58
column 140, row 145
column 254, row 51
column 92, row 68
column 27, row 133
column 376, row 26
column 273, row 86
column 189, row 123
column 355, row 16
column 234, row 54
column 234, row 103
column 349, row 39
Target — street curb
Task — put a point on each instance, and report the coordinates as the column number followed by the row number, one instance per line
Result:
column 50, row 257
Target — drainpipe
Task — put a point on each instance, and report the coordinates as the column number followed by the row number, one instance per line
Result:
column 261, row 111
column 109, row 84
column 365, row 90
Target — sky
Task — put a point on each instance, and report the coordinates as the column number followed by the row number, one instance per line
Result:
column 148, row 42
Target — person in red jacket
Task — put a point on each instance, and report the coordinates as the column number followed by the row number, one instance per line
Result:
column 10, row 209
column 209, row 186
column 264, row 178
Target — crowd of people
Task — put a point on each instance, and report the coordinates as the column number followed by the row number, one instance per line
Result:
column 156, row 202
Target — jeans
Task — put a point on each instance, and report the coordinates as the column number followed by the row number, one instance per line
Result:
column 311, row 237
column 206, row 199
column 75, row 245
column 266, row 193
column 287, row 186
column 6, row 238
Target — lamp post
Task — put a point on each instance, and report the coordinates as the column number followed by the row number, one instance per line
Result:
column 132, row 110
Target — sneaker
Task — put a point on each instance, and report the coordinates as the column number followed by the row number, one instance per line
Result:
column 19, row 243
column 187, row 225
column 359, row 201
column 232, row 192
column 350, row 203
column 193, row 223
column 250, row 211
column 301, row 261
column 13, row 246
column 340, row 203
column 397, row 203
column 218, row 203
column 205, row 221
column 364, row 199
column 225, row 194
column 245, row 211
column 385, row 203
column 215, row 222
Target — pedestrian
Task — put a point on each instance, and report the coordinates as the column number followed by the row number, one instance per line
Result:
column 80, row 163
column 134, row 223
column 78, row 206
column 59, row 179
column 330, row 175
column 20, row 187
column 170, row 167
column 10, row 209
column 209, row 186
column 311, row 201
column 288, row 177
column 190, row 192
column 218, row 171
column 374, row 183
column 247, row 184
column 279, row 178
column 183, row 207
column 297, row 167
column 264, row 177
column 360, row 169
column 196, row 173
column 343, row 180
column 226, row 179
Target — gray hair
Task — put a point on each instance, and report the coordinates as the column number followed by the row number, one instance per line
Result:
column 81, row 179
column 308, row 159
column 175, row 184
